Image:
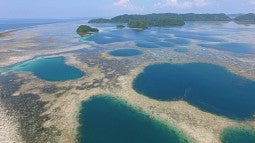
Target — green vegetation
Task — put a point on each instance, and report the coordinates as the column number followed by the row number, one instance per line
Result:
column 100, row 20
column 143, row 24
column 205, row 17
column 247, row 18
column 140, row 24
column 84, row 30
column 154, row 17
column 167, row 22
column 120, row 26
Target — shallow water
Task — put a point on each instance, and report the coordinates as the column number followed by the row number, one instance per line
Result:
column 239, row 48
column 50, row 69
column 238, row 135
column 181, row 50
column 209, row 87
column 125, row 52
column 110, row 120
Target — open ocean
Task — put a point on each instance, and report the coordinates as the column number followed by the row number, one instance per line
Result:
column 10, row 24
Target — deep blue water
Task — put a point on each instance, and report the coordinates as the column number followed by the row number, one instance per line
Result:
column 238, row 135
column 239, row 48
column 109, row 120
column 8, row 24
column 209, row 87
column 125, row 52
column 50, row 69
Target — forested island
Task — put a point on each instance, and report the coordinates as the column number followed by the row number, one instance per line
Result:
column 164, row 19
column 120, row 26
column 247, row 18
column 84, row 30
column 153, row 17
column 143, row 24
column 170, row 19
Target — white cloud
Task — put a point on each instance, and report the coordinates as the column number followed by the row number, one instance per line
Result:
column 252, row 2
column 122, row 3
column 127, row 5
column 181, row 4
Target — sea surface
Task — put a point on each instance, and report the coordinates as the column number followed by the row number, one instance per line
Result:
column 11, row 24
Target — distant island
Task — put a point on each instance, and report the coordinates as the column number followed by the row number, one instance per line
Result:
column 138, row 24
column 84, row 30
column 170, row 19
column 165, row 19
column 120, row 26
column 153, row 17
column 143, row 24
column 247, row 18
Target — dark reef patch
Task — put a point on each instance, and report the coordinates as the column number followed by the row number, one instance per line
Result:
column 9, row 84
column 111, row 68
column 27, row 109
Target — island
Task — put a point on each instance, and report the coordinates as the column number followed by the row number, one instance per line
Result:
column 120, row 26
column 138, row 24
column 161, row 19
column 143, row 24
column 100, row 20
column 246, row 19
column 85, row 30
column 173, row 16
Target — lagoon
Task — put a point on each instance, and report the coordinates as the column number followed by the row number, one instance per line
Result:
column 50, row 69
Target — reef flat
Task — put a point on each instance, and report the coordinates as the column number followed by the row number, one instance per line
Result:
column 56, row 105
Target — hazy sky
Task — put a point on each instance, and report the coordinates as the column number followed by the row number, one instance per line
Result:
column 102, row 8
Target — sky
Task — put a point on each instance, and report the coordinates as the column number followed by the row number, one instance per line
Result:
column 109, row 8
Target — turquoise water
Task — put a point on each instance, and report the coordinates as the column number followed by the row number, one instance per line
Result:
column 50, row 69
column 238, row 135
column 125, row 52
column 109, row 120
column 240, row 48
column 209, row 87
